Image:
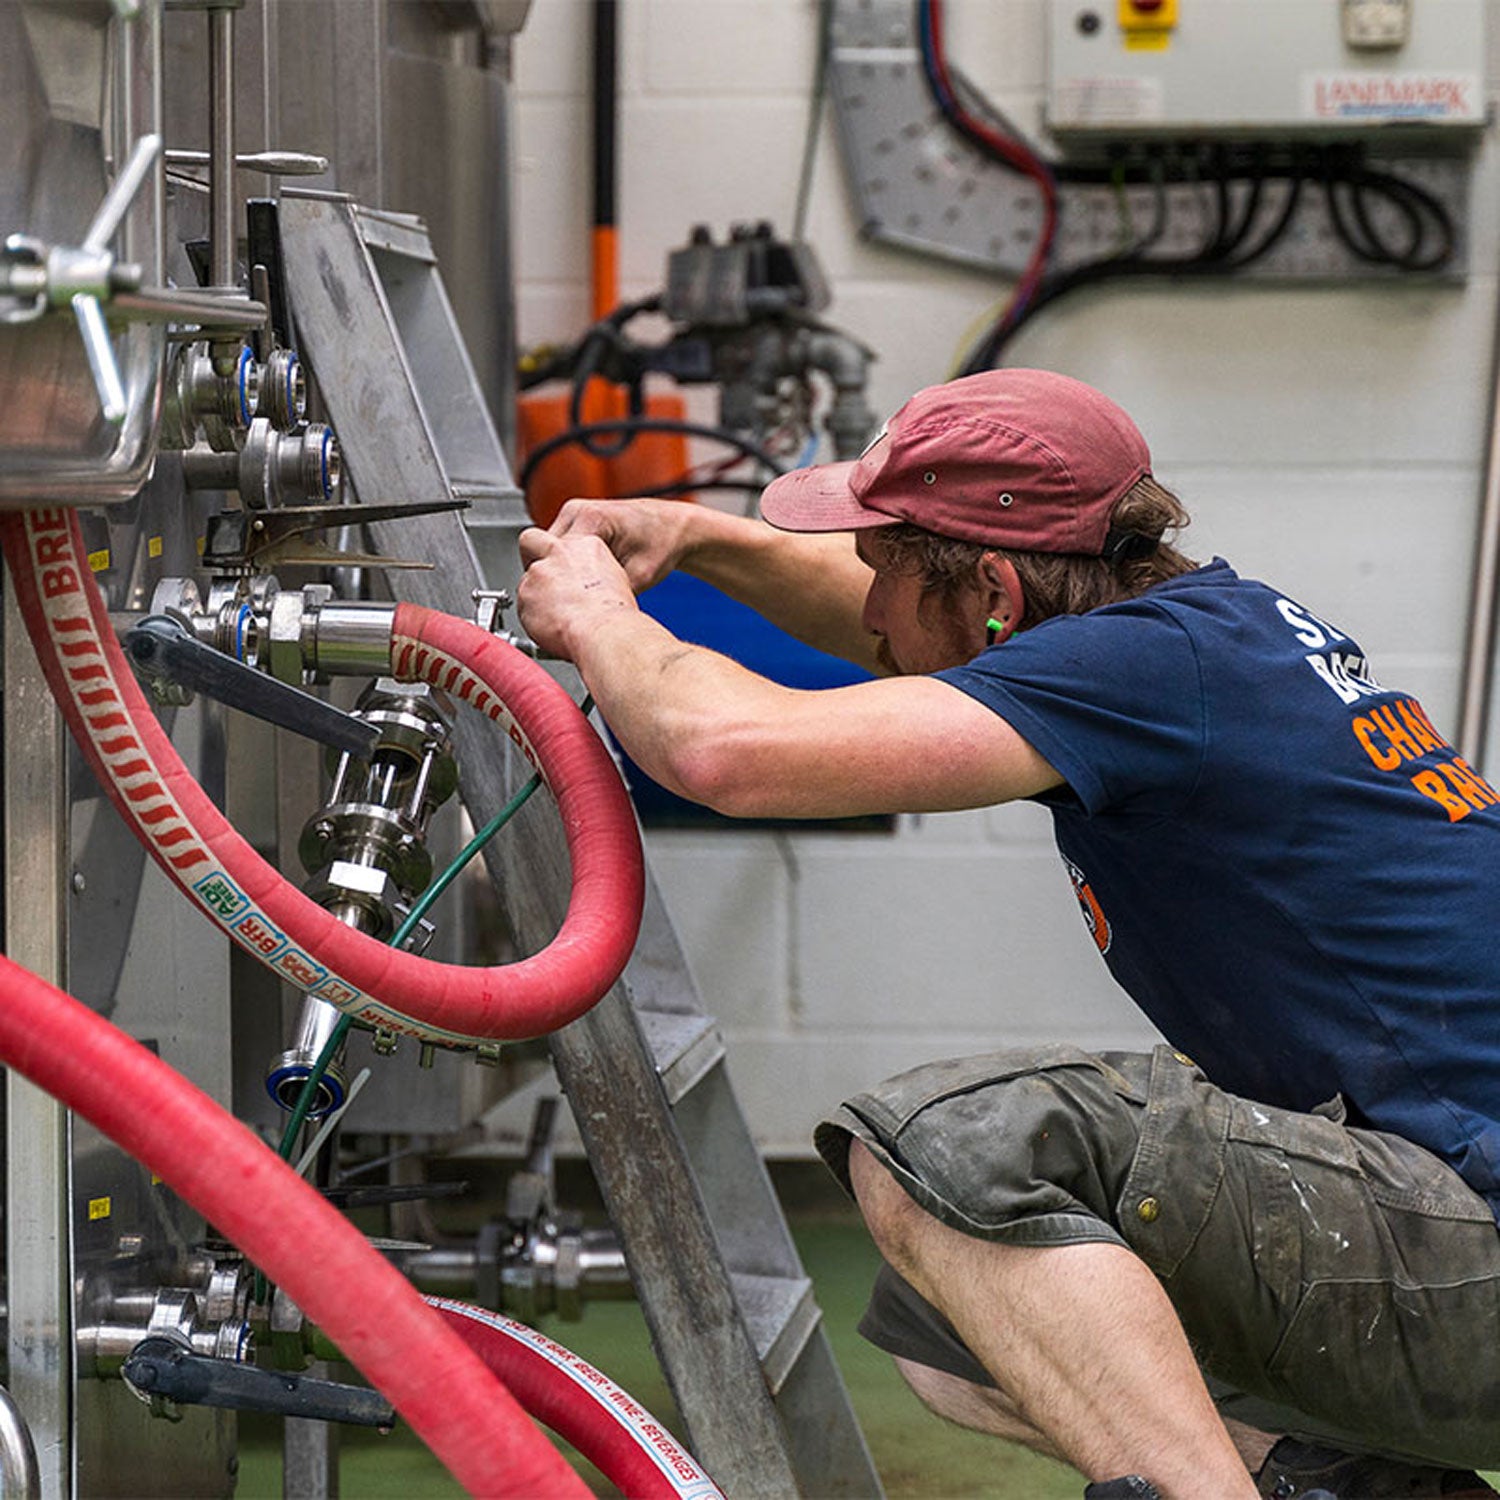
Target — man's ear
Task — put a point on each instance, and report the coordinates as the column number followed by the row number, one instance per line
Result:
column 1004, row 598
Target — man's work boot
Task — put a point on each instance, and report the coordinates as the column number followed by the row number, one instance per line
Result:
column 1293, row 1469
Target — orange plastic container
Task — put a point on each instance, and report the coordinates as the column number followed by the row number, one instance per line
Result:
column 653, row 460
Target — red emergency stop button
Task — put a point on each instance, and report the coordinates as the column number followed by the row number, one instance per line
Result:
column 1147, row 15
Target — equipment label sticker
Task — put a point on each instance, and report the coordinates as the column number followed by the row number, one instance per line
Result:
column 1108, row 100
column 1392, row 96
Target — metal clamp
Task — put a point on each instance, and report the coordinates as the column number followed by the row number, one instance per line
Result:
column 489, row 615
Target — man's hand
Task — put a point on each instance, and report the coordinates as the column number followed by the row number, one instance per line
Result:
column 648, row 537
column 573, row 587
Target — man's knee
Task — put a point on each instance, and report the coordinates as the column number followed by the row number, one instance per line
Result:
column 890, row 1213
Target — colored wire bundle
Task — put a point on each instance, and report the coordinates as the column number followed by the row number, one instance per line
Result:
column 1381, row 218
column 1010, row 150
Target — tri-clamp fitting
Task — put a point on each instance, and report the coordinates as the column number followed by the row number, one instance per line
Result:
column 366, row 853
column 273, row 468
column 201, row 399
column 299, row 636
column 367, row 849
column 178, row 1312
column 539, row 1259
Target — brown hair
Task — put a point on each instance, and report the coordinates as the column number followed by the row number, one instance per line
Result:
column 1054, row 583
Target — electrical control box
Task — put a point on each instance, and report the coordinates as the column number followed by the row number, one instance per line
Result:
column 1283, row 68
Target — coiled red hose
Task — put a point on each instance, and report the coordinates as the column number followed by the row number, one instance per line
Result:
column 378, row 1320
column 625, row 1442
column 197, row 847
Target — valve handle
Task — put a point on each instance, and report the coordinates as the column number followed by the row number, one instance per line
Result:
column 162, row 648
column 269, row 163
column 86, row 309
column 160, row 1369
column 101, row 356
column 117, row 200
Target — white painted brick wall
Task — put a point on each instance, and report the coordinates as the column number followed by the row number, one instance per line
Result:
column 1328, row 439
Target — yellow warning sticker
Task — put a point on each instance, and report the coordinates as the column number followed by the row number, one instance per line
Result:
column 99, row 561
column 153, row 546
column 99, row 1208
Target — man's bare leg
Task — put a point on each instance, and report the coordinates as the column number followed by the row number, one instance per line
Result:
column 980, row 1407
column 986, row 1409
column 1081, row 1337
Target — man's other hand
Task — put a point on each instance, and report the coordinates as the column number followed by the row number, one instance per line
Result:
column 648, row 537
column 572, row 587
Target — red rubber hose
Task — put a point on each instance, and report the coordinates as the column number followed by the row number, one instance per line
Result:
column 198, row 848
column 626, row 1443
column 377, row 1319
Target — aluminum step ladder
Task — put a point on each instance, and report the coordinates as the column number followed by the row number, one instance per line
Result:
column 731, row 1311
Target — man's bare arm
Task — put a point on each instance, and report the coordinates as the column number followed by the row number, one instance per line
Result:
column 708, row 729
column 812, row 586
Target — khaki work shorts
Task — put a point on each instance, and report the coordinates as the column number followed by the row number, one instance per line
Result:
column 1338, row 1283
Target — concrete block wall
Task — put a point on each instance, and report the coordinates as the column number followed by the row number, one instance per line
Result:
column 1331, row 439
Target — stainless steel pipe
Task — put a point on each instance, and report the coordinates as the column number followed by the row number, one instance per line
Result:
column 223, row 233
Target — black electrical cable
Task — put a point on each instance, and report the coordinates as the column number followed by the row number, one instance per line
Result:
column 1336, row 183
column 1221, row 253
column 1278, row 227
column 607, row 334
column 584, row 371
column 1237, row 230
column 1360, row 192
column 633, row 427
column 1418, row 207
column 1428, row 242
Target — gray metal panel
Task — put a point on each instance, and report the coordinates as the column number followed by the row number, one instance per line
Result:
column 457, row 116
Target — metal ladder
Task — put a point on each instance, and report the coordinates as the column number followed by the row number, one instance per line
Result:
column 731, row 1312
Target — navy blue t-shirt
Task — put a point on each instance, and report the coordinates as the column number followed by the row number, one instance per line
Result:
column 1284, row 864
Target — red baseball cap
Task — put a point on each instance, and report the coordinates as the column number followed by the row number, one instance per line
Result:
column 1023, row 459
